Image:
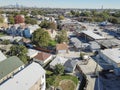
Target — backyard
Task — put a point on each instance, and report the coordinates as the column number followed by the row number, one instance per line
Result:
column 62, row 82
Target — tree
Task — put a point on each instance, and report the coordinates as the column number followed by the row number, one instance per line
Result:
column 29, row 20
column 6, row 42
column 77, row 14
column 62, row 36
column 41, row 38
column 19, row 19
column 11, row 19
column 44, row 24
column 72, row 12
column 1, row 19
column 48, row 25
column 52, row 25
column 20, row 51
column 59, row 69
column 113, row 20
column 61, row 17
column 35, row 12
column 82, row 55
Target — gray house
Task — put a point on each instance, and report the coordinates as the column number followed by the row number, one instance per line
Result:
column 70, row 65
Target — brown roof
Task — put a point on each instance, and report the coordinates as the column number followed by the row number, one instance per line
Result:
column 42, row 56
column 62, row 46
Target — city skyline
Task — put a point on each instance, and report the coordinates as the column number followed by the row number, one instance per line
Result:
column 95, row 4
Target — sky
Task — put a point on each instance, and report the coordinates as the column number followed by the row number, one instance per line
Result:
column 97, row 4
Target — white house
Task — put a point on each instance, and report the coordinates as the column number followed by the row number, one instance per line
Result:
column 32, row 53
column 30, row 78
column 42, row 58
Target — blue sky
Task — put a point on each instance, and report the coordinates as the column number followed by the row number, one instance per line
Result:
column 65, row 3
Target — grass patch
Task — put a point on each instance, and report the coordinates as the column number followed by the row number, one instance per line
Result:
column 52, row 43
column 67, row 85
column 2, row 34
column 55, row 80
column 65, row 77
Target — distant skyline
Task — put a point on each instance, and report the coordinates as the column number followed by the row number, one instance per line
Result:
column 92, row 4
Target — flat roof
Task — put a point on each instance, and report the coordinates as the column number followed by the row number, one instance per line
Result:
column 11, row 38
column 77, row 43
column 107, row 43
column 25, row 79
column 113, row 54
column 93, row 35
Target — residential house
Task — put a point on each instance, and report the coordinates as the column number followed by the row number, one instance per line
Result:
column 57, row 60
column 94, row 46
column 42, row 58
column 111, row 56
column 9, row 67
column 31, row 77
column 32, row 53
column 70, row 65
column 2, row 56
column 62, row 48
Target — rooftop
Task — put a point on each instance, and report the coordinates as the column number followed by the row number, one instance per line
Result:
column 9, row 65
column 61, row 46
column 2, row 56
column 42, row 56
column 93, row 35
column 25, row 79
column 58, row 60
column 107, row 43
column 113, row 54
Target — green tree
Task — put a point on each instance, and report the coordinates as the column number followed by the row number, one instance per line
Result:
column 61, row 17
column 52, row 25
column 6, row 42
column 35, row 12
column 44, row 24
column 11, row 20
column 29, row 20
column 77, row 14
column 62, row 36
column 72, row 12
column 59, row 69
column 114, row 20
column 41, row 38
column 1, row 19
column 20, row 51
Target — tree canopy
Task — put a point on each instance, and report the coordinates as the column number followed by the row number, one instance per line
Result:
column 61, row 17
column 59, row 69
column 48, row 25
column 41, row 38
column 62, row 36
column 20, row 51
column 11, row 19
column 19, row 19
column 29, row 20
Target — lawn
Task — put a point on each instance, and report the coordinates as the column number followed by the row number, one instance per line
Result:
column 66, row 82
column 67, row 85
column 65, row 77
column 2, row 34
